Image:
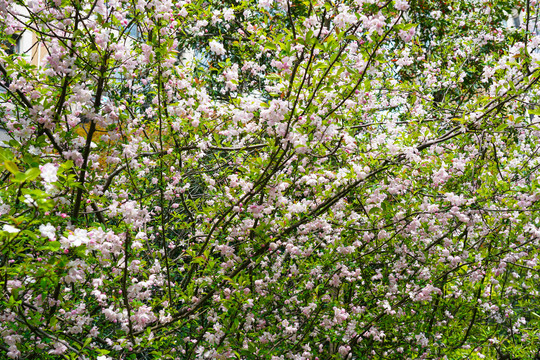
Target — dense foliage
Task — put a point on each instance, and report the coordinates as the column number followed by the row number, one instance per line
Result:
column 323, row 180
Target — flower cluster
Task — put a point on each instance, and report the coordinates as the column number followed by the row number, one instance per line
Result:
column 273, row 179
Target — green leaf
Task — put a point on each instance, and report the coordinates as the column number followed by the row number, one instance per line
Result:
column 5, row 154
column 19, row 177
column 32, row 173
column 198, row 260
column 54, row 245
column 408, row 26
column 270, row 46
column 67, row 165
column 14, row 143
column 11, row 167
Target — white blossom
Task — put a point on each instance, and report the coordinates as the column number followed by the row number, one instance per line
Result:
column 10, row 229
column 217, row 48
column 49, row 172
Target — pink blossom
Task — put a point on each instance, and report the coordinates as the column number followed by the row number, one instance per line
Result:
column 407, row 36
column 340, row 315
column 59, row 349
column 401, row 5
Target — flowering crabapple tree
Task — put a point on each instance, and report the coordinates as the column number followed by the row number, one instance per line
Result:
column 350, row 179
